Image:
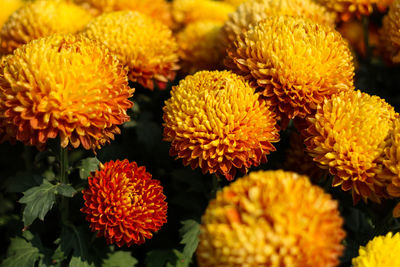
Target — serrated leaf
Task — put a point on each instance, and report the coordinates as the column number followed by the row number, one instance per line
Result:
column 189, row 232
column 21, row 253
column 157, row 258
column 22, row 182
column 39, row 200
column 66, row 190
column 180, row 260
column 119, row 259
column 87, row 166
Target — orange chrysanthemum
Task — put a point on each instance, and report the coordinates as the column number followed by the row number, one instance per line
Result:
column 390, row 34
column 271, row 218
column 124, row 204
column 216, row 122
column 295, row 62
column 347, row 9
column 349, row 135
column 63, row 86
column 198, row 46
column 143, row 44
column 157, row 9
column 253, row 11
column 7, row 8
column 40, row 19
column 189, row 11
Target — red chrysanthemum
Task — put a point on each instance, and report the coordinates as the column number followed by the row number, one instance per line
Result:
column 124, row 204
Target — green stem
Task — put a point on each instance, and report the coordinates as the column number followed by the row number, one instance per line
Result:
column 64, row 179
column 365, row 22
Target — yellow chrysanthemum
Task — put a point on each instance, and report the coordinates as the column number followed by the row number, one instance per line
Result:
column 390, row 34
column 65, row 86
column 235, row 2
column 198, row 46
column 143, row 44
column 157, row 9
column 271, row 218
column 216, row 122
column 7, row 8
column 346, row 9
column 188, row 11
column 295, row 62
column 39, row 19
column 382, row 251
column 253, row 11
column 348, row 135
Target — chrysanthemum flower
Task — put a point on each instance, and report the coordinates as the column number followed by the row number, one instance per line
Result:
column 143, row 44
column 216, row 122
column 297, row 160
column 253, row 11
column 124, row 204
column 271, row 218
column 198, row 46
column 188, row 11
column 382, row 251
column 40, row 19
column 295, row 62
column 346, row 9
column 65, row 86
column 157, row 9
column 7, row 8
column 348, row 135
column 390, row 34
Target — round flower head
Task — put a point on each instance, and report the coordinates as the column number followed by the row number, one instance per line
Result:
column 157, row 9
column 348, row 135
column 64, row 86
column 124, row 204
column 271, row 218
column 347, row 9
column 297, row 68
column 390, row 34
column 198, row 46
column 143, row 44
column 7, row 8
column 216, row 122
column 40, row 19
column 253, row 11
column 382, row 251
column 188, row 11
column 235, row 2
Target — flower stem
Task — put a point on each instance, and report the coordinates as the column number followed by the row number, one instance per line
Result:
column 64, row 179
column 365, row 22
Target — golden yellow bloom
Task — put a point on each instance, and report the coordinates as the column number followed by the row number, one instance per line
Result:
column 65, row 86
column 235, row 2
column 346, row 9
column 382, row 251
column 188, row 11
column 253, row 11
column 271, row 218
column 297, row 68
column 198, row 46
column 216, row 122
column 390, row 34
column 348, row 135
column 157, row 9
column 143, row 44
column 7, row 8
column 39, row 19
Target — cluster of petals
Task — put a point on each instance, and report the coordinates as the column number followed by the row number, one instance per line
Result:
column 271, row 218
column 390, row 34
column 296, row 69
column 216, row 121
column 62, row 86
column 41, row 18
column 347, row 9
column 124, row 204
column 145, row 45
column 198, row 46
column 157, row 9
column 382, row 251
column 348, row 135
column 7, row 8
column 188, row 11
column 253, row 11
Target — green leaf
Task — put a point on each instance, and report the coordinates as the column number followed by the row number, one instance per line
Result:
column 22, row 182
column 189, row 232
column 119, row 259
column 21, row 253
column 66, row 190
column 88, row 165
column 39, row 200
column 180, row 260
column 157, row 258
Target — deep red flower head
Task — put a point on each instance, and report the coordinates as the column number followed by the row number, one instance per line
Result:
column 124, row 204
